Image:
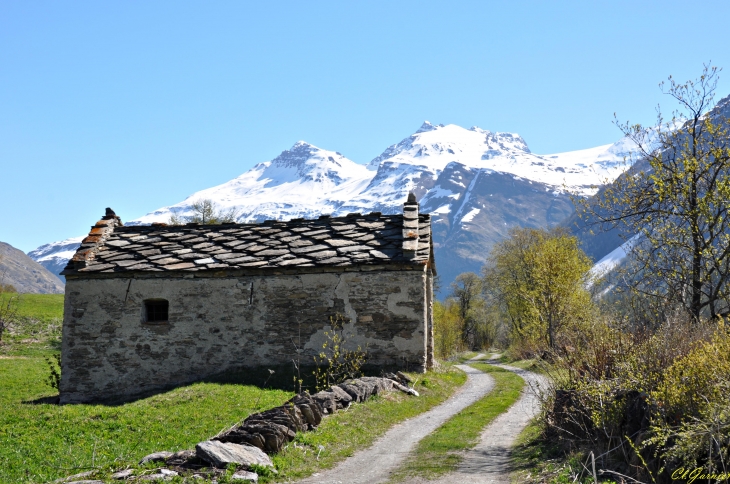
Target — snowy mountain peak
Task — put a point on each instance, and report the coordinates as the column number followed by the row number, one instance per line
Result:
column 306, row 162
column 476, row 183
column 302, row 153
column 55, row 255
column 427, row 126
column 434, row 146
column 303, row 181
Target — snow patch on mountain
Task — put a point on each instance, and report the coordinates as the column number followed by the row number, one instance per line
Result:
column 470, row 216
column 55, row 256
column 612, row 260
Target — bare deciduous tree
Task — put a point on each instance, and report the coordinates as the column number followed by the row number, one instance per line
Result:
column 206, row 211
column 676, row 199
column 8, row 302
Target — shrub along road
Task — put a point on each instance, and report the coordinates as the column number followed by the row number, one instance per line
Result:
column 375, row 463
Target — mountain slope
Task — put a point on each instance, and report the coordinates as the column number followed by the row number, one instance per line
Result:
column 25, row 274
column 597, row 240
column 55, row 256
column 478, row 184
column 473, row 208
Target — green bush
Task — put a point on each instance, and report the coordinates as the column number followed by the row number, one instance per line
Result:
column 692, row 424
column 644, row 402
column 337, row 362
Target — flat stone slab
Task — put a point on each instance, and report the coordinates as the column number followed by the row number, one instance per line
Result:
column 122, row 474
column 245, row 476
column 220, row 454
column 155, row 457
column 155, row 477
column 75, row 477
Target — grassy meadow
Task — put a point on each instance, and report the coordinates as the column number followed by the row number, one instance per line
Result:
column 41, row 442
column 36, row 327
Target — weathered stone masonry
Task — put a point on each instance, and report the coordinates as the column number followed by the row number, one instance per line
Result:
column 241, row 295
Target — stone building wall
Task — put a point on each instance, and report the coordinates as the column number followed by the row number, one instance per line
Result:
column 224, row 322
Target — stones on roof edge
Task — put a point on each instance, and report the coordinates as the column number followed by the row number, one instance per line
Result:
column 355, row 239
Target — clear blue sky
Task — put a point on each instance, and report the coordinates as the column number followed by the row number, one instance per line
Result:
column 137, row 104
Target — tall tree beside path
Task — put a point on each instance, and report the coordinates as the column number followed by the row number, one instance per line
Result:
column 466, row 291
column 539, row 281
column 676, row 200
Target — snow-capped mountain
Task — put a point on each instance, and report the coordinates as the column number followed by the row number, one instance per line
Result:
column 55, row 256
column 306, row 181
column 303, row 181
column 476, row 183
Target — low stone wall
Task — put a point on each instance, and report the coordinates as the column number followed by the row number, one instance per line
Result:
column 246, row 445
column 271, row 430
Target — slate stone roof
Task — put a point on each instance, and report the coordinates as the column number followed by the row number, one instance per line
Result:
column 354, row 240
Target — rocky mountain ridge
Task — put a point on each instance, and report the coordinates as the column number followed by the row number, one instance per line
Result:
column 476, row 183
column 25, row 274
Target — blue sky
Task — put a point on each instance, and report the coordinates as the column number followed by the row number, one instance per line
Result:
column 136, row 105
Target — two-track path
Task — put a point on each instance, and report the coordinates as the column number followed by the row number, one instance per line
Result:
column 375, row 463
column 488, row 462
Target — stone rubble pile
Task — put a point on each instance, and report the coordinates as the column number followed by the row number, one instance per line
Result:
column 263, row 433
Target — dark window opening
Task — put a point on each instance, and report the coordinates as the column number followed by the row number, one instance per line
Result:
column 156, row 311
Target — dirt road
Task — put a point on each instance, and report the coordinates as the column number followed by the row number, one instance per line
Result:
column 375, row 463
column 489, row 461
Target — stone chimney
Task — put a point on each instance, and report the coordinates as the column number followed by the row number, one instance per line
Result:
column 410, row 226
column 99, row 233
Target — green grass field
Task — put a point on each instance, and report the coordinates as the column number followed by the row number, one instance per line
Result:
column 36, row 327
column 40, row 442
column 39, row 306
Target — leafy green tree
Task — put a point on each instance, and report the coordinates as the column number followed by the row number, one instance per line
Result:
column 676, row 200
column 206, row 212
column 538, row 279
column 447, row 328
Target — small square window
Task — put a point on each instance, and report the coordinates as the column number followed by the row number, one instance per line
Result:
column 156, row 311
